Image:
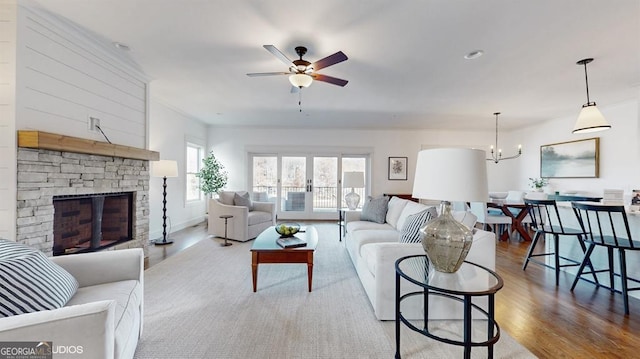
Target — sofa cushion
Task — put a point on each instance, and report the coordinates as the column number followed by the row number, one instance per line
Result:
column 31, row 282
column 375, row 209
column 362, row 237
column 243, row 200
column 127, row 295
column 360, row 225
column 257, row 217
column 409, row 209
column 410, row 232
column 394, row 209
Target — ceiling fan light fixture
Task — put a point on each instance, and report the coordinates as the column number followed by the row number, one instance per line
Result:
column 300, row 80
column 590, row 118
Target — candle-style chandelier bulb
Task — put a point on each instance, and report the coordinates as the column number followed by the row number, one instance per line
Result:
column 497, row 156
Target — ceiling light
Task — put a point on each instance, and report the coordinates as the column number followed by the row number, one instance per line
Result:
column 300, row 80
column 590, row 118
column 474, row 54
column 496, row 153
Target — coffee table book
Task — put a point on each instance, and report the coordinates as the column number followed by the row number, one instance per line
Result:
column 291, row 242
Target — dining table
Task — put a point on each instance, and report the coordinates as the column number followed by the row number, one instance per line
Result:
column 518, row 212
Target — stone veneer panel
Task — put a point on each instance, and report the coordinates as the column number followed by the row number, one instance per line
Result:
column 43, row 174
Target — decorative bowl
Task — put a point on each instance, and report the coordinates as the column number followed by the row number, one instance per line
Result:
column 287, row 229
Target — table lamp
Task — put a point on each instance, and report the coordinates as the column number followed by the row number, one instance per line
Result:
column 353, row 180
column 449, row 175
column 164, row 169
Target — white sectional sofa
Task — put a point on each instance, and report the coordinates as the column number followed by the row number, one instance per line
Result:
column 103, row 319
column 375, row 247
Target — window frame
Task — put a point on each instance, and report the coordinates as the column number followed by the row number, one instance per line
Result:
column 190, row 144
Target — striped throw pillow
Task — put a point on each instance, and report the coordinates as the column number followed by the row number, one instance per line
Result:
column 410, row 232
column 30, row 282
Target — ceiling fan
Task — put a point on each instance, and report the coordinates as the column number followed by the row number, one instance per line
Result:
column 302, row 72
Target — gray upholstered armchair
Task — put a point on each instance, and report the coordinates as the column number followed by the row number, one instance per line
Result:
column 247, row 221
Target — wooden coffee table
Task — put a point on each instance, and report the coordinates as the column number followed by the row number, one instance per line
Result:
column 266, row 250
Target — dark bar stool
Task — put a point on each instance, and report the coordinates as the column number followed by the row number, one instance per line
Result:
column 545, row 219
column 608, row 228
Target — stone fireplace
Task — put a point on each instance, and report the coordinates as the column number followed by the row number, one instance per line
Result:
column 73, row 179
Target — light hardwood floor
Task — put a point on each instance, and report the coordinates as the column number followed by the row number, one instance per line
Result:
column 552, row 322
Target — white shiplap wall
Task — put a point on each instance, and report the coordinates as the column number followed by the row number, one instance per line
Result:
column 53, row 77
column 65, row 77
column 8, row 15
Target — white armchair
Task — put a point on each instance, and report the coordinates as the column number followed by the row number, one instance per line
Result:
column 245, row 224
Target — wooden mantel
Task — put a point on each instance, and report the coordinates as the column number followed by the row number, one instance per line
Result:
column 55, row 142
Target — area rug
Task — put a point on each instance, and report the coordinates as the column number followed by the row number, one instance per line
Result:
column 200, row 304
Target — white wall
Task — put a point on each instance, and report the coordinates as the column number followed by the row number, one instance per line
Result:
column 8, row 27
column 65, row 76
column 619, row 150
column 169, row 131
column 230, row 147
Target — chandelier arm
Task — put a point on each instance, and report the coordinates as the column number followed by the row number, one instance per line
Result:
column 496, row 154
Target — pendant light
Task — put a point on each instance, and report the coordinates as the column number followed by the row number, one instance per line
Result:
column 496, row 152
column 590, row 118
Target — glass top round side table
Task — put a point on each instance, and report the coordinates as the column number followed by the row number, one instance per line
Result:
column 469, row 285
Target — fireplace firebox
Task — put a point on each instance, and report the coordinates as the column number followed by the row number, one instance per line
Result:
column 87, row 223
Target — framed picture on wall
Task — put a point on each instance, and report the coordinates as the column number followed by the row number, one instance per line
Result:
column 573, row 159
column 398, row 168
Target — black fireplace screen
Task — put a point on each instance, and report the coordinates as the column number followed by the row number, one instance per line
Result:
column 86, row 223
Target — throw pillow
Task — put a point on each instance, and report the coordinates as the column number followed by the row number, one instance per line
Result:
column 226, row 197
column 395, row 207
column 31, row 282
column 410, row 232
column 243, row 200
column 375, row 209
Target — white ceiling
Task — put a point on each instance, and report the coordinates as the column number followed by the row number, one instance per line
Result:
column 405, row 68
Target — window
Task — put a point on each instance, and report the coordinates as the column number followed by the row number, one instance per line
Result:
column 194, row 163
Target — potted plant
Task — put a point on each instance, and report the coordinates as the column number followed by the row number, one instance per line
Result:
column 212, row 176
column 538, row 183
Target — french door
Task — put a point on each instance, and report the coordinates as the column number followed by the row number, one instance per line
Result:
column 302, row 186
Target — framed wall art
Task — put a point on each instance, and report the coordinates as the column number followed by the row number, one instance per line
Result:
column 573, row 159
column 398, row 168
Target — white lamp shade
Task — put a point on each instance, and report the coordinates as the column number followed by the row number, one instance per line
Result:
column 164, row 168
column 451, row 174
column 590, row 119
column 300, row 80
column 353, row 180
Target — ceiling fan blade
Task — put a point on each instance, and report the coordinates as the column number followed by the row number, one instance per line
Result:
column 277, row 53
column 329, row 79
column 256, row 74
column 329, row 60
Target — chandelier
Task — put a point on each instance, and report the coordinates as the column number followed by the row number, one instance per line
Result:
column 496, row 152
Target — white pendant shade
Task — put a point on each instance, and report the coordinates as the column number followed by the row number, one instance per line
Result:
column 451, row 174
column 590, row 120
column 164, row 168
column 300, row 80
